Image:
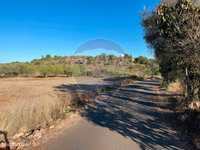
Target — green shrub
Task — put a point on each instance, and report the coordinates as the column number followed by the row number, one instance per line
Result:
column 51, row 70
column 26, row 69
column 10, row 69
column 141, row 60
column 68, row 71
column 78, row 70
column 73, row 70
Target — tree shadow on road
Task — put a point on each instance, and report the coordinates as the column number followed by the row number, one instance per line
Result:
column 139, row 115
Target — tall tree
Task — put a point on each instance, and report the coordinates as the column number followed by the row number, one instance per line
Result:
column 173, row 30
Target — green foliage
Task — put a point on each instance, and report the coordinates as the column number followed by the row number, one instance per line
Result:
column 141, row 60
column 51, row 70
column 111, row 59
column 78, row 70
column 68, row 71
column 173, row 31
column 90, row 60
column 75, row 70
column 26, row 69
column 15, row 69
column 47, row 56
column 128, row 59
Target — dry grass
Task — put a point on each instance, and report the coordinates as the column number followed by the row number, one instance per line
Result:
column 30, row 103
column 175, row 87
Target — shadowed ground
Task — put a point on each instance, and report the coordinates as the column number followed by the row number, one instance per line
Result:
column 133, row 117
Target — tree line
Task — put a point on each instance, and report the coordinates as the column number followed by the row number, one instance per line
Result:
column 80, row 66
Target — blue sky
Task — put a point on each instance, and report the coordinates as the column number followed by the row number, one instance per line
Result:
column 32, row 28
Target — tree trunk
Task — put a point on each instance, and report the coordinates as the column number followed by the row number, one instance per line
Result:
column 193, row 88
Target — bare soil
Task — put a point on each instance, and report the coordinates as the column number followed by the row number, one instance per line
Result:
column 14, row 90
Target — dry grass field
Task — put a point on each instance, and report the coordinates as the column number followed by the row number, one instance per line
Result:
column 176, row 87
column 27, row 103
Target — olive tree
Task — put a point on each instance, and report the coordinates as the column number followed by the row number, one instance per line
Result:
column 173, row 31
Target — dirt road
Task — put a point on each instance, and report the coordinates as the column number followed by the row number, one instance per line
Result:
column 132, row 117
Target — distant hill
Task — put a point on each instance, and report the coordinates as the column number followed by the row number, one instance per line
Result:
column 50, row 66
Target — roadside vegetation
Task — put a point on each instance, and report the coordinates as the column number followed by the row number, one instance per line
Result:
column 172, row 30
